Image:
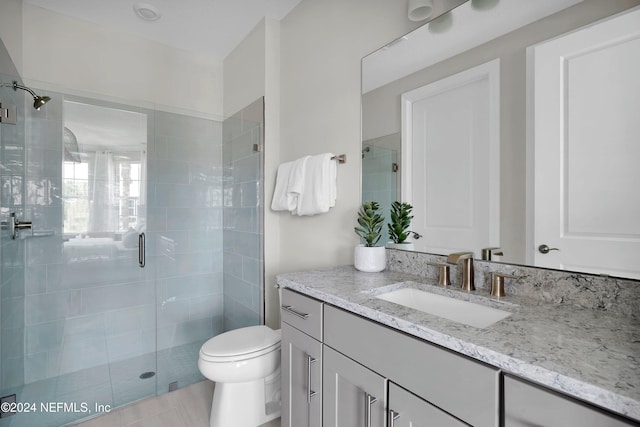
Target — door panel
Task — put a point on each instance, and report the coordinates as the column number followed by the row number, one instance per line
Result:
column 450, row 142
column 301, row 377
column 586, row 96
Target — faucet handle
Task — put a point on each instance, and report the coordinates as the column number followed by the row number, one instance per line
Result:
column 489, row 253
column 444, row 277
column 497, row 283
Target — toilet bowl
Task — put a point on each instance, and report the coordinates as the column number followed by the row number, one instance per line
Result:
column 245, row 365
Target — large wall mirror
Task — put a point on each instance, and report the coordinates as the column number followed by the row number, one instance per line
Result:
column 453, row 115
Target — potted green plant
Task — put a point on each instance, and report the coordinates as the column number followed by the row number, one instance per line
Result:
column 368, row 257
column 399, row 226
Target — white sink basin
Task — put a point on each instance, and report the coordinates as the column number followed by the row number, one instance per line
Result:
column 465, row 312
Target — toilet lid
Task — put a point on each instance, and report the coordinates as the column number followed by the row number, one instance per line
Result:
column 243, row 341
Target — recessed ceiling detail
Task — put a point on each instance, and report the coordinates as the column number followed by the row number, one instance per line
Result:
column 147, row 12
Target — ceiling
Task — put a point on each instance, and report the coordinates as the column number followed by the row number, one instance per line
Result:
column 211, row 27
column 470, row 27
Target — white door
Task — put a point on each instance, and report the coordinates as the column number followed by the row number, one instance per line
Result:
column 451, row 161
column 585, row 129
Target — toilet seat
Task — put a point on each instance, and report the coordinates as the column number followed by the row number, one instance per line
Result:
column 241, row 344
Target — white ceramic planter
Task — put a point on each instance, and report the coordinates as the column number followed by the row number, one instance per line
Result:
column 406, row 246
column 370, row 259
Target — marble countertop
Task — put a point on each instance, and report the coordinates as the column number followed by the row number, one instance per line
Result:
column 588, row 354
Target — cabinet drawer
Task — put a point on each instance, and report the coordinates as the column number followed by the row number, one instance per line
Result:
column 302, row 312
column 467, row 389
column 526, row 405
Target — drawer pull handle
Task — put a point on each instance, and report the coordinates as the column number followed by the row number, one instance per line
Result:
column 295, row 312
column 310, row 393
column 368, row 401
column 393, row 415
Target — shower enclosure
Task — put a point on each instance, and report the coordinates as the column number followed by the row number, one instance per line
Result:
column 145, row 241
column 380, row 178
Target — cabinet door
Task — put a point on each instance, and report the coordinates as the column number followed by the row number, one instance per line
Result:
column 408, row 410
column 527, row 405
column 353, row 396
column 301, row 379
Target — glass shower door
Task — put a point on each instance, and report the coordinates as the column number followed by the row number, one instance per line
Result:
column 78, row 313
column 104, row 216
column 380, row 181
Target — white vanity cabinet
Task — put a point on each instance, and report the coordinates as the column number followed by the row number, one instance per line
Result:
column 301, row 360
column 353, row 396
column 527, row 405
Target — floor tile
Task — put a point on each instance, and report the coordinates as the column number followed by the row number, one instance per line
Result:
column 186, row 407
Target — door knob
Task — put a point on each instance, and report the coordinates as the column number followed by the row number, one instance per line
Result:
column 544, row 249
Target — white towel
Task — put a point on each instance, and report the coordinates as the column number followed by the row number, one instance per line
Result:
column 296, row 182
column 333, row 181
column 319, row 193
column 280, row 201
column 289, row 185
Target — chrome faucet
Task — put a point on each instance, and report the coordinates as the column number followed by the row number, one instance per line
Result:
column 467, row 268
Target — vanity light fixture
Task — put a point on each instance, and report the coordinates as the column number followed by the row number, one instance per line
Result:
column 441, row 24
column 147, row 12
column 419, row 10
column 484, row 4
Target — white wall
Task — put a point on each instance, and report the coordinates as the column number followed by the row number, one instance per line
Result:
column 11, row 29
column 322, row 43
column 67, row 54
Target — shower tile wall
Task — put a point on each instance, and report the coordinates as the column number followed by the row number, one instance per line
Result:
column 69, row 334
column 243, row 217
column 185, row 238
column 12, row 294
column 47, row 300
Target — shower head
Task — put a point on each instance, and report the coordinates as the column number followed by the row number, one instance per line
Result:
column 38, row 101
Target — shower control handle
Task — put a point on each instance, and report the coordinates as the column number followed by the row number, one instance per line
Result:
column 15, row 225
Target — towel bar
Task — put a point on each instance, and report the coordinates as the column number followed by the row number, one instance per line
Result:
column 341, row 158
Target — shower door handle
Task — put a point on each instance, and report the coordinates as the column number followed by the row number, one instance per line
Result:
column 141, row 252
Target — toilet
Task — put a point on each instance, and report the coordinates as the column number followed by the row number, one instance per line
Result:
column 245, row 365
